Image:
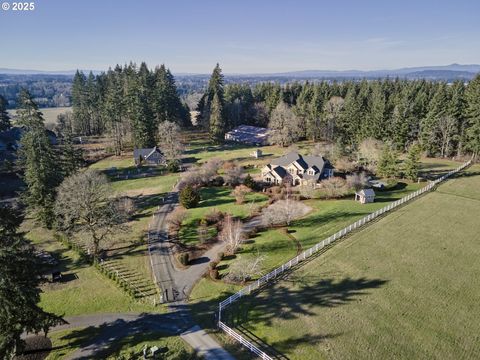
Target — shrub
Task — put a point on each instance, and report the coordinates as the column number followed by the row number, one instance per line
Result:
column 220, row 256
column 214, row 216
column 334, row 187
column 184, row 258
column 214, row 274
column 250, row 182
column 175, row 220
column 240, row 192
column 357, row 181
column 189, row 197
column 202, row 231
column 212, row 265
column 173, row 166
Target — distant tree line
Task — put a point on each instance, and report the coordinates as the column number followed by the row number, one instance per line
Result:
column 443, row 118
column 47, row 90
column 128, row 103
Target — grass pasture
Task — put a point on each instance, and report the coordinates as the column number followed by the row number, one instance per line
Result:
column 83, row 289
column 405, row 287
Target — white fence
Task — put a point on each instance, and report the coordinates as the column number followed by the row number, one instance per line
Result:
column 308, row 253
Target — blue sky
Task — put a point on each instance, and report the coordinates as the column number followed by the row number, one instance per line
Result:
column 244, row 36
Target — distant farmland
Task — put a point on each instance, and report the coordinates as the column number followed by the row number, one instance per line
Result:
column 406, row 287
column 49, row 114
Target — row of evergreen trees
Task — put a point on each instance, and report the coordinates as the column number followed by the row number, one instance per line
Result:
column 443, row 118
column 43, row 166
column 127, row 102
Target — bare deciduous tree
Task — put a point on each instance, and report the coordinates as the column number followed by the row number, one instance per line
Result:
column 126, row 205
column 286, row 125
column 201, row 175
column 169, row 135
column 234, row 173
column 344, row 164
column 369, row 152
column 334, row 187
column 240, row 192
column 85, row 203
column 244, row 268
column 282, row 212
column 232, row 233
column 447, row 127
column 357, row 181
column 332, row 110
column 307, row 191
column 175, row 220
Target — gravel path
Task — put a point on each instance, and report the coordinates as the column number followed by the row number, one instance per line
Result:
column 176, row 284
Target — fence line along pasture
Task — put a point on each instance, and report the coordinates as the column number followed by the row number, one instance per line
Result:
column 308, row 253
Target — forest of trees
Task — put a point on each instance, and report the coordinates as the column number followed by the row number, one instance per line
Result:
column 127, row 102
column 443, row 118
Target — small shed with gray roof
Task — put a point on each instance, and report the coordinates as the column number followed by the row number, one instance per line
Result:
column 365, row 196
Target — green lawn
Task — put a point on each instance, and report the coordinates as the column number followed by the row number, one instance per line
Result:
column 85, row 290
column 405, row 287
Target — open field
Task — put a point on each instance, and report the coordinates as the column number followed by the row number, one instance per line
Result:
column 49, row 114
column 404, row 287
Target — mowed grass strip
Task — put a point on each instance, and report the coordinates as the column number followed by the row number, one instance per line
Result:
column 406, row 287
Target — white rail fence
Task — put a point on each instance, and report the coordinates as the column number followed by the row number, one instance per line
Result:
column 308, row 253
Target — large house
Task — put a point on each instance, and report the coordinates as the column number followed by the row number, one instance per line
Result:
column 251, row 135
column 296, row 169
column 150, row 156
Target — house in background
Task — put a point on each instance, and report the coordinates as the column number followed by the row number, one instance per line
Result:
column 297, row 169
column 151, row 156
column 365, row 196
column 250, row 135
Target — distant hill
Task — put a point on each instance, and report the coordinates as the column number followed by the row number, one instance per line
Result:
column 441, row 72
column 444, row 72
column 42, row 72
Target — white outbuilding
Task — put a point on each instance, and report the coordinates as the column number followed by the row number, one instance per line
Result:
column 365, row 196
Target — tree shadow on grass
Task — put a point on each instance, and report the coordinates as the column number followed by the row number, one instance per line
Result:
column 300, row 296
column 99, row 342
column 293, row 297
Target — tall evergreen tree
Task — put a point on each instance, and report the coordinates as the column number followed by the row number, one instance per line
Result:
column 412, row 163
column 4, row 117
column 114, row 107
column 217, row 121
column 387, row 164
column 38, row 160
column 79, row 100
column 438, row 108
column 473, row 115
column 19, row 287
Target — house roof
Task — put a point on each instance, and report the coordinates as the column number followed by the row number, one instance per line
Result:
column 305, row 162
column 366, row 192
column 247, row 133
column 279, row 171
column 146, row 153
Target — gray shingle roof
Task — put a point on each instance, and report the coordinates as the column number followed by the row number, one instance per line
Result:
column 306, row 161
column 366, row 192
